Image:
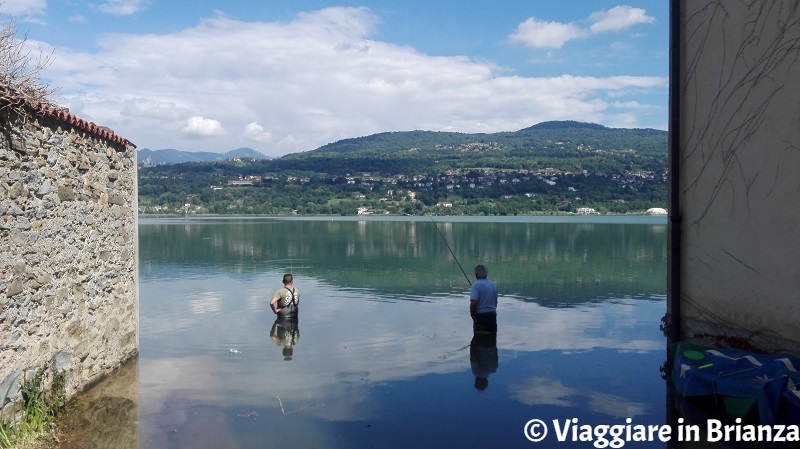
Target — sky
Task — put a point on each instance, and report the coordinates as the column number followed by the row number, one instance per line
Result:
column 286, row 76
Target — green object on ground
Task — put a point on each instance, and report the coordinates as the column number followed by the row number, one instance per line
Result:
column 694, row 355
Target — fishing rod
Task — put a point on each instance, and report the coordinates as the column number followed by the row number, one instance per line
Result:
column 451, row 250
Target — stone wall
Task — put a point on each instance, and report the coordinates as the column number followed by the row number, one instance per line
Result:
column 68, row 254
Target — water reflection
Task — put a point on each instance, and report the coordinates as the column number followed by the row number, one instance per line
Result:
column 385, row 332
column 483, row 358
column 285, row 333
column 106, row 416
column 561, row 264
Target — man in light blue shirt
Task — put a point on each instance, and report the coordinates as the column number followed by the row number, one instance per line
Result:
column 483, row 303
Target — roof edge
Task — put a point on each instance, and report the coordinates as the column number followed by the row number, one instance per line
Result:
column 41, row 109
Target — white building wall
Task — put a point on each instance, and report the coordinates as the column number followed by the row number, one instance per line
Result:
column 739, row 139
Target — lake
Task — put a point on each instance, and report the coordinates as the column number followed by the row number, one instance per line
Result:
column 383, row 353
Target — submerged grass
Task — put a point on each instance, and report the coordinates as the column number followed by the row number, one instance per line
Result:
column 27, row 420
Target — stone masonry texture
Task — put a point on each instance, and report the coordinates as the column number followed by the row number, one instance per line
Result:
column 68, row 251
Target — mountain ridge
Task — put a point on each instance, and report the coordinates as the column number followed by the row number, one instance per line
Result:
column 649, row 141
column 147, row 156
column 544, row 135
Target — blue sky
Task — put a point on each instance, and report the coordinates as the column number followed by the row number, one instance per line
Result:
column 284, row 76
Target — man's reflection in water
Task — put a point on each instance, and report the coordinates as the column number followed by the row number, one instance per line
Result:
column 483, row 358
column 285, row 332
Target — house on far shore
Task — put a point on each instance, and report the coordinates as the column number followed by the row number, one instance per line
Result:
column 586, row 211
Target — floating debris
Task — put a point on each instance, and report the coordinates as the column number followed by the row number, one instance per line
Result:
column 284, row 412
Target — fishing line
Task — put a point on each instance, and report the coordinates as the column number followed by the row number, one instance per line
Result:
column 451, row 251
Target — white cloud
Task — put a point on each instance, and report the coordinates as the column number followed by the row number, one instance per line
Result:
column 201, row 126
column 124, row 7
column 553, row 35
column 618, row 18
column 536, row 34
column 256, row 132
column 616, row 406
column 552, row 392
column 23, row 7
column 205, row 303
column 632, row 105
column 314, row 80
column 544, row 391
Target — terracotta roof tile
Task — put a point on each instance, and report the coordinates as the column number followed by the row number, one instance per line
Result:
column 11, row 97
column 62, row 115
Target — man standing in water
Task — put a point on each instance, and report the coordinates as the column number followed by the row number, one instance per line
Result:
column 285, row 301
column 483, row 303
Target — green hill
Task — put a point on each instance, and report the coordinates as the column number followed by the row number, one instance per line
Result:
column 549, row 167
column 564, row 145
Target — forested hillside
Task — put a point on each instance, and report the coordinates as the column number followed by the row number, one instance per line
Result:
column 547, row 168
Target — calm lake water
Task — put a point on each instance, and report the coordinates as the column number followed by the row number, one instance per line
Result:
column 383, row 354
